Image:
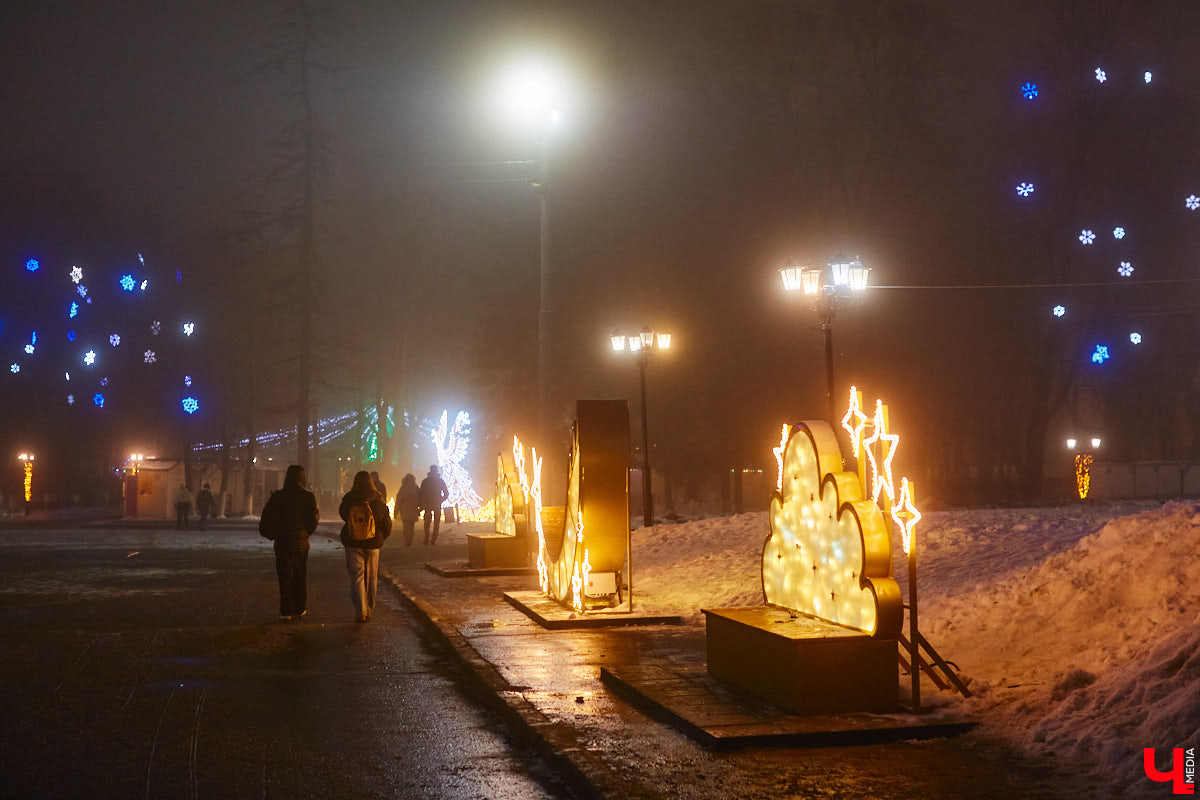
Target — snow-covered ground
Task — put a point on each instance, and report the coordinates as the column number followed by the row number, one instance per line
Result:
column 1078, row 627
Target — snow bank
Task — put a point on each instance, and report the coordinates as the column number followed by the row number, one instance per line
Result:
column 1078, row 626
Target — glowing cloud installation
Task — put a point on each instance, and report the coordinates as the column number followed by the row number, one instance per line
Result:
column 829, row 551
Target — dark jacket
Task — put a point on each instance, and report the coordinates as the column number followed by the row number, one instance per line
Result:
column 379, row 510
column 204, row 502
column 407, row 502
column 433, row 492
column 289, row 517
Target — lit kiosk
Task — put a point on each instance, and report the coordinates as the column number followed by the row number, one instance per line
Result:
column 826, row 640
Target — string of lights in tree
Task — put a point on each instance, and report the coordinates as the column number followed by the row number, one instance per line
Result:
column 115, row 306
column 1087, row 236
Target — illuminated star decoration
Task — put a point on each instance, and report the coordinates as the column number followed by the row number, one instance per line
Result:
column 1100, row 76
column 155, row 327
column 778, row 451
column 1025, row 188
column 82, row 290
column 127, row 282
column 190, row 405
column 1059, row 311
column 32, row 265
column 1192, row 202
column 1086, row 236
column 906, row 514
column 1118, row 232
column 1100, row 355
column 188, row 328
column 114, row 340
column 149, row 357
column 1125, row 269
column 1135, row 338
column 76, row 274
column 98, row 399
column 89, row 357
column 882, row 483
column 1029, row 91
column 854, row 412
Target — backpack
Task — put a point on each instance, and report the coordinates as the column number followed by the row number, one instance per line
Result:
column 361, row 521
column 271, row 519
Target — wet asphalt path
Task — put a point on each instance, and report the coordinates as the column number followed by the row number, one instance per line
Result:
column 153, row 664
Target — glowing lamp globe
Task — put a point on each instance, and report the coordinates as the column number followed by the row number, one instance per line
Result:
column 664, row 341
column 618, row 341
column 858, row 276
column 791, row 278
column 810, row 281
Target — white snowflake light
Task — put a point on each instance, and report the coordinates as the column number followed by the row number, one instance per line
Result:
column 14, row 368
column 1086, row 236
column 156, row 327
column 1125, row 269
column 70, row 399
column 76, row 274
column 1100, row 76
column 1059, row 311
column 187, row 380
column 104, row 381
column 29, row 349
column 1136, row 337
column 1192, row 202
column 89, row 357
column 149, row 357
column 1149, row 76
column 189, row 328
column 1118, row 232
column 114, row 340
column 1024, row 188
column 145, row 283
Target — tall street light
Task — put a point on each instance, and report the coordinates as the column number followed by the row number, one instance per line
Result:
column 533, row 96
column 641, row 345
column 827, row 289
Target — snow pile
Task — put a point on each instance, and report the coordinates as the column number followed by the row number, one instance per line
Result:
column 1078, row 626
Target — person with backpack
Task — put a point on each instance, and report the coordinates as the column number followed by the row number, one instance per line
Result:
column 204, row 504
column 368, row 524
column 433, row 494
column 408, row 507
column 288, row 519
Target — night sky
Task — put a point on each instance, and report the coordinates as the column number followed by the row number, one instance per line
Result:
column 706, row 144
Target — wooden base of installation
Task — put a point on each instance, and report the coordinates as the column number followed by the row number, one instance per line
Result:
column 802, row 664
column 489, row 550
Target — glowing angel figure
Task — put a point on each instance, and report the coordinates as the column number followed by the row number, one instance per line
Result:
column 452, row 445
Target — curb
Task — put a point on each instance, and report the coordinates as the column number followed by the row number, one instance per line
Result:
column 555, row 743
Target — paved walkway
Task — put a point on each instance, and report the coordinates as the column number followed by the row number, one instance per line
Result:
column 548, row 683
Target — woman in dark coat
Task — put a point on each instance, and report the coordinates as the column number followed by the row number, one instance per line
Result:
column 408, row 508
column 362, row 555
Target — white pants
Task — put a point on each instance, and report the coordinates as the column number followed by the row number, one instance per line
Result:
column 362, row 564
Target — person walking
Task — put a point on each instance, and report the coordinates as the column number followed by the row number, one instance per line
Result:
column 289, row 517
column 183, row 507
column 408, row 506
column 368, row 524
column 433, row 494
column 204, row 504
column 383, row 492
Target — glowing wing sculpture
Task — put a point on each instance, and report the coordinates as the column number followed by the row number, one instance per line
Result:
column 829, row 551
column 452, row 445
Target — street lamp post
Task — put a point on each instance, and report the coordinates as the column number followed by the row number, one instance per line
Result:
column 827, row 289
column 640, row 345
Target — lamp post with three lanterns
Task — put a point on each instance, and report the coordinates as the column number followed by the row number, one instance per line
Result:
column 641, row 345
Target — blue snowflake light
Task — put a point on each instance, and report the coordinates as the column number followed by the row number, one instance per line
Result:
column 189, row 328
column 1125, row 269
column 178, row 276
column 70, row 336
column 127, row 282
column 98, row 399
column 155, row 327
column 1136, row 337
column 104, row 381
column 190, row 405
column 1059, row 311
column 89, row 357
column 1149, row 76
column 82, row 290
column 32, row 265
column 149, row 357
column 1100, row 355
column 1192, row 202
column 73, row 311
column 1086, row 236
column 142, row 260
column 1029, row 91
column 1118, row 232
column 114, row 340
column 1024, row 189
column 187, row 380
column 70, row 399
column 14, row 368
column 1100, row 76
